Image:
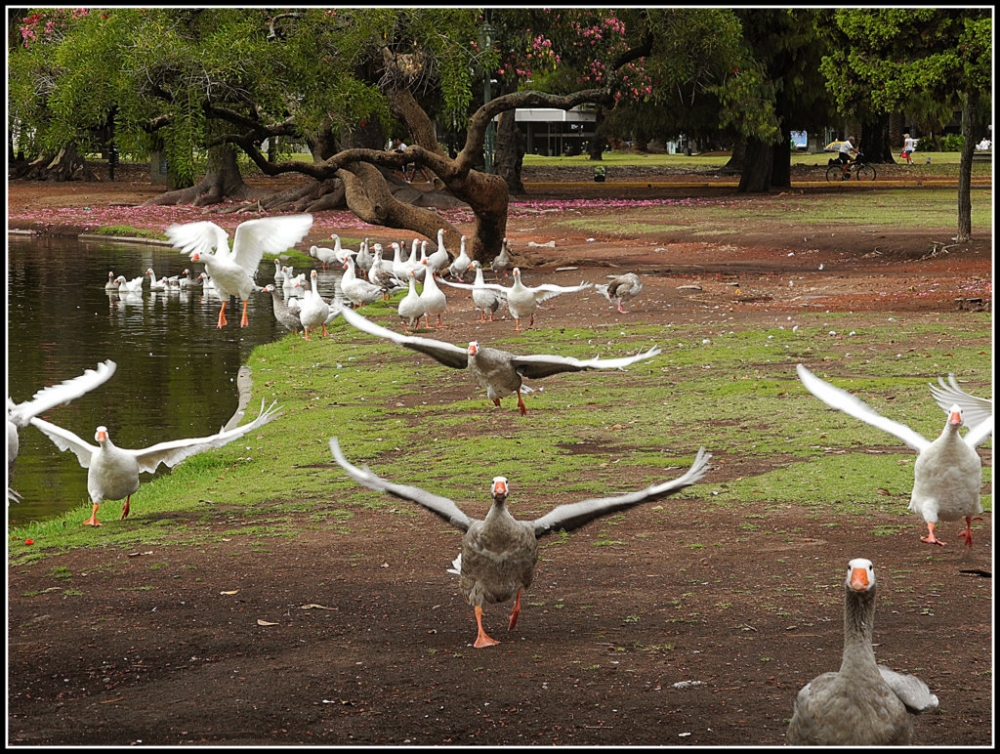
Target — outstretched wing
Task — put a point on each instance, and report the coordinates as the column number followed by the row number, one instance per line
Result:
column 439, row 506
column 202, row 237
column 64, row 392
column 849, row 404
column 975, row 410
column 575, row 515
column 536, row 367
column 66, row 440
column 268, row 235
column 446, row 353
column 173, row 452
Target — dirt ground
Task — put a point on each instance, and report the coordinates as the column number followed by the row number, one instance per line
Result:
column 360, row 637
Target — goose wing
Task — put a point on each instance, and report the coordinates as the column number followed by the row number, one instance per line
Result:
column 268, row 235
column 911, row 691
column 202, row 237
column 66, row 440
column 535, row 367
column 849, row 404
column 975, row 410
column 64, row 392
column 173, row 452
column 439, row 506
column 575, row 515
column 446, row 353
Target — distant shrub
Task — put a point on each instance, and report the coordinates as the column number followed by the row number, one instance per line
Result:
column 952, row 142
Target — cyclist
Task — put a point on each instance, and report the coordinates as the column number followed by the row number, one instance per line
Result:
column 846, row 147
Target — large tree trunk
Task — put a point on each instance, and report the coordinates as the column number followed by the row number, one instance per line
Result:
column 875, row 141
column 66, row 165
column 596, row 146
column 223, row 180
column 781, row 161
column 758, row 165
column 970, row 118
column 509, row 155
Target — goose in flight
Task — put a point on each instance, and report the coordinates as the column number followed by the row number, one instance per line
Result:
column 975, row 410
column 948, row 472
column 499, row 553
column 497, row 372
column 233, row 271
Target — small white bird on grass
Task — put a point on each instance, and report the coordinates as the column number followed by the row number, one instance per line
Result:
column 233, row 271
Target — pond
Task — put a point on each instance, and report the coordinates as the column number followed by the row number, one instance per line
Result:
column 176, row 372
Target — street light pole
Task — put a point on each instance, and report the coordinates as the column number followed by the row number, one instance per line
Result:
column 487, row 96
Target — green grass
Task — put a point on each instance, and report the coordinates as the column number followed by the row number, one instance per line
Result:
column 637, row 159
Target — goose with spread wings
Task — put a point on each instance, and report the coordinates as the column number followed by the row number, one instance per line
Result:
column 948, row 472
column 234, row 271
column 497, row 372
column 20, row 414
column 113, row 472
column 975, row 410
column 499, row 553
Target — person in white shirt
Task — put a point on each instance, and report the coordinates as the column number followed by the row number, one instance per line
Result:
column 909, row 146
column 846, row 148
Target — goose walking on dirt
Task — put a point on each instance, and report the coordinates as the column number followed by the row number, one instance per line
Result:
column 499, row 553
column 233, row 271
column 948, row 472
column 461, row 263
column 864, row 703
column 497, row 372
column 113, row 472
column 502, row 261
column 433, row 299
column 622, row 288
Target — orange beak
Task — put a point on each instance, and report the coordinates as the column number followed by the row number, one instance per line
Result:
column 955, row 417
column 859, row 580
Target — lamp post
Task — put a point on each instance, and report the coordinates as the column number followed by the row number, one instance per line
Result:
column 490, row 137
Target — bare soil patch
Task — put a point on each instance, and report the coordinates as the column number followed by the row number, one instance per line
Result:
column 685, row 623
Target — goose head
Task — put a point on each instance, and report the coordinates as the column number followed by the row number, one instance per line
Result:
column 500, row 489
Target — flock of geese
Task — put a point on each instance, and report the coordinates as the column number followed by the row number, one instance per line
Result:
column 862, row 703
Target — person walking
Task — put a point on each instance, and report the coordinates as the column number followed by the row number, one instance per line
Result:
column 909, row 147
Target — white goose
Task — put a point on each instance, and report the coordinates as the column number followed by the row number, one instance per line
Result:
column 325, row 256
column 20, row 414
column 948, row 472
column 340, row 251
column 440, row 259
column 113, row 472
column 499, row 553
column 190, row 282
column 433, row 299
column 974, row 410
column 484, row 300
column 522, row 300
column 363, row 259
column 156, row 284
column 502, row 261
column 313, row 310
column 234, row 271
column 457, row 268
column 279, row 275
column 129, row 286
column 864, row 703
column 112, row 284
column 358, row 290
column 411, row 306
column 497, row 372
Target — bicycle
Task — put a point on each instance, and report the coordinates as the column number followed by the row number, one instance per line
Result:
column 861, row 170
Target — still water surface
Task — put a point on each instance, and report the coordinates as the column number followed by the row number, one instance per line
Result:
column 176, row 374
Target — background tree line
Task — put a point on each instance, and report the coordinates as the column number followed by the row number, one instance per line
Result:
column 205, row 85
